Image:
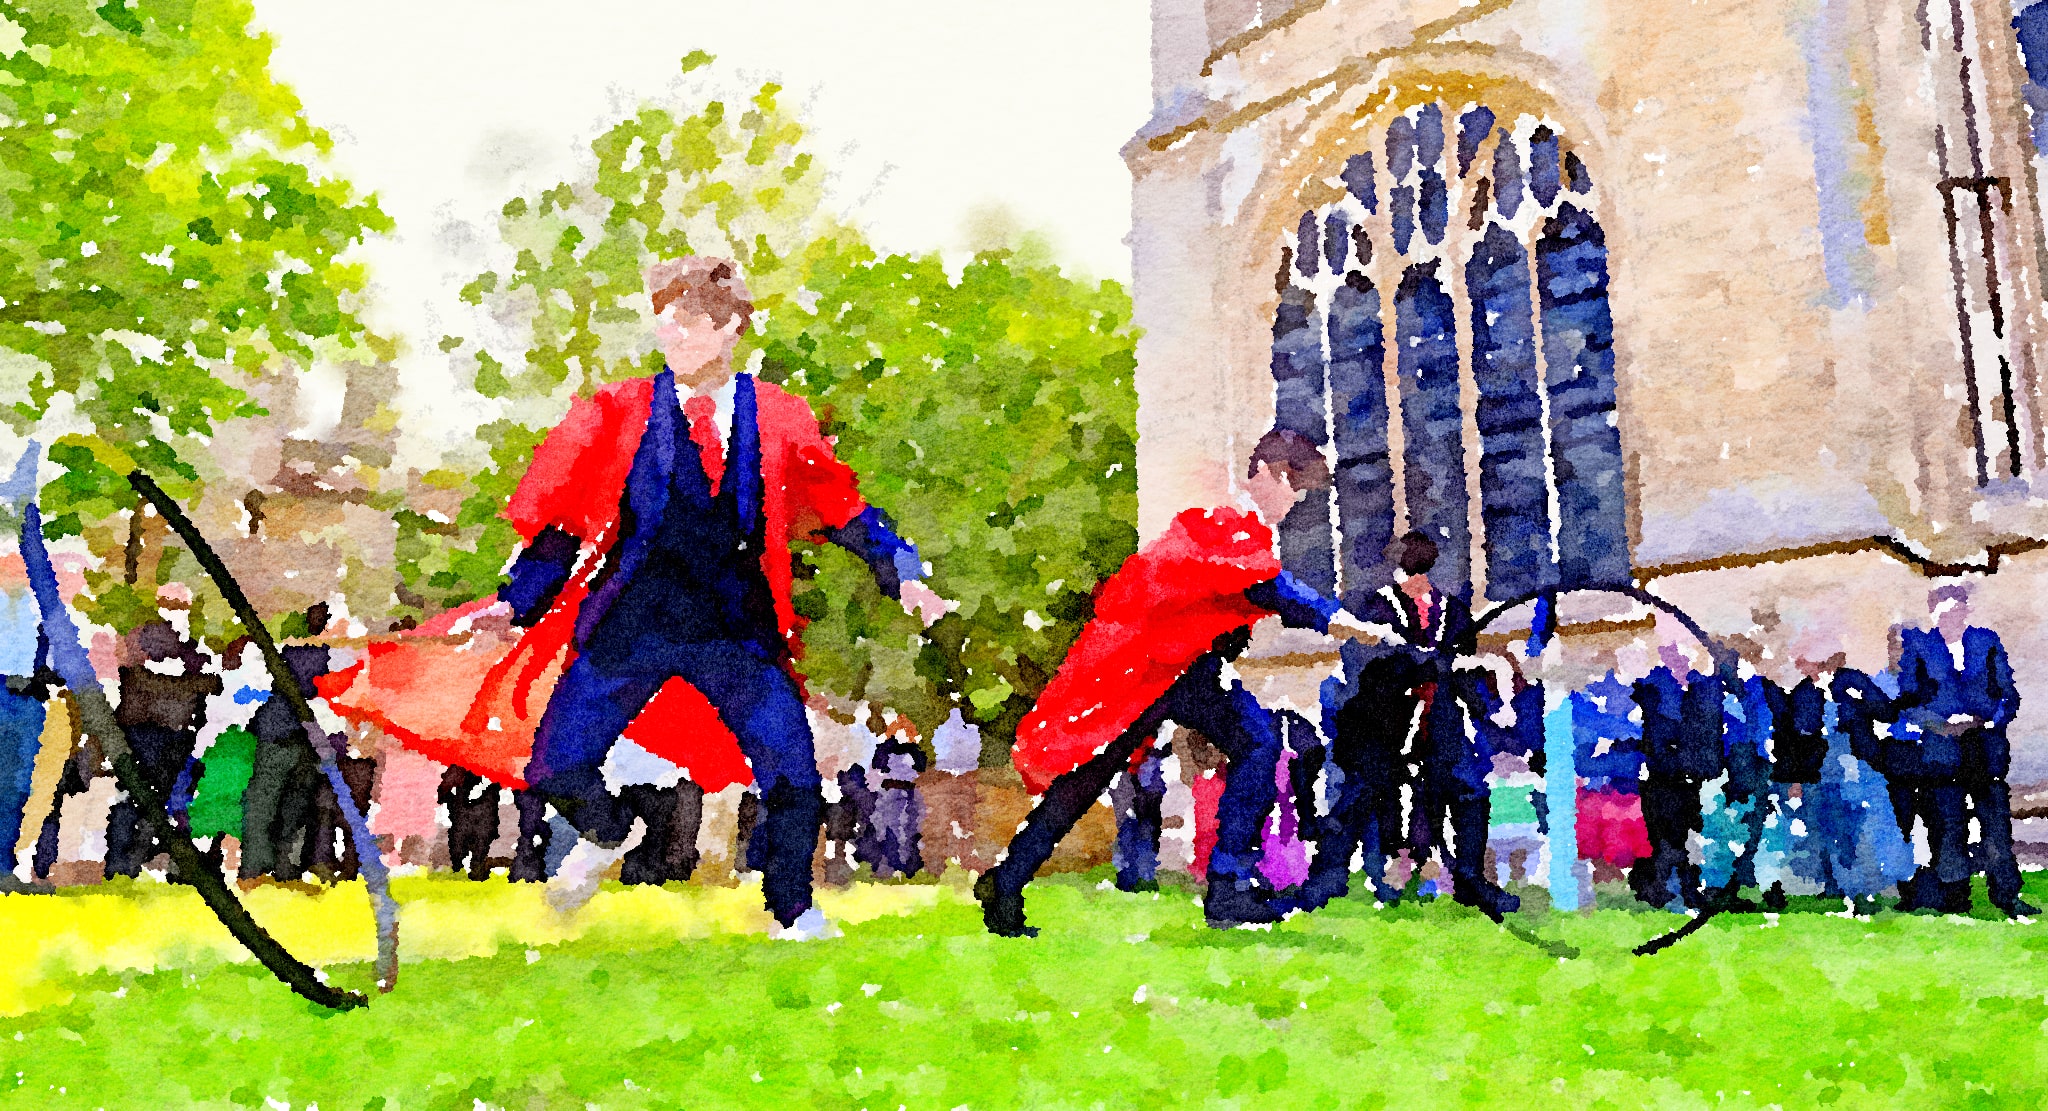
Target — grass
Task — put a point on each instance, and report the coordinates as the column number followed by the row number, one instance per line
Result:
column 672, row 998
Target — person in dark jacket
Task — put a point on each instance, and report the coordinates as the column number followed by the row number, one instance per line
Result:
column 1137, row 795
column 163, row 690
column 1956, row 698
column 24, row 711
column 1859, row 848
column 472, row 803
column 1798, row 748
column 1422, row 685
column 1682, row 725
column 889, row 842
column 1746, row 799
column 1798, row 730
column 285, row 780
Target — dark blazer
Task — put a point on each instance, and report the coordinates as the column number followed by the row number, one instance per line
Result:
column 1681, row 724
column 1859, row 705
column 1799, row 743
column 1424, row 658
column 1932, row 689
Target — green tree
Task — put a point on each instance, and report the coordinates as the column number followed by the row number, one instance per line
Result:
column 717, row 179
column 168, row 238
column 991, row 415
column 994, row 417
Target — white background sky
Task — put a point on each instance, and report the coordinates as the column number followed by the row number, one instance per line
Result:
column 924, row 110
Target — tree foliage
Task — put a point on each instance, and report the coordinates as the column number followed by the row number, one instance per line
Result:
column 168, row 238
column 992, row 415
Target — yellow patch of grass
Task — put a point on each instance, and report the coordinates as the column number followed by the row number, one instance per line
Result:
column 145, row 926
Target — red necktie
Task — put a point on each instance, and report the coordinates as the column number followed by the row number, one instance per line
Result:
column 701, row 411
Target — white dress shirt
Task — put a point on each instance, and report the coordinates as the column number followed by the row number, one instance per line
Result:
column 721, row 399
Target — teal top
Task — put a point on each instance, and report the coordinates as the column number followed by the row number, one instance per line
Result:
column 1513, row 805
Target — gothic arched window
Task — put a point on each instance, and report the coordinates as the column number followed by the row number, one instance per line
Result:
column 1485, row 272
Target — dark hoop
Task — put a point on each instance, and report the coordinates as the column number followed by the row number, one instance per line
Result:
column 1724, row 657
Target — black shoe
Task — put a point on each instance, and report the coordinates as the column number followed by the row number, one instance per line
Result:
column 2017, row 907
column 1312, row 895
column 1955, row 897
column 1729, row 900
column 1229, row 904
column 1485, row 896
column 1002, row 913
column 1672, row 894
column 1775, row 899
column 1136, row 887
column 1322, row 888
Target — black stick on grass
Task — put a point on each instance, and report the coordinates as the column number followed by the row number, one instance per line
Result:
column 375, row 877
column 68, row 657
column 1562, row 950
column 1665, row 941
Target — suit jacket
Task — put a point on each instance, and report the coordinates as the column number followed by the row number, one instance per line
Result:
column 1799, row 742
column 1682, row 725
column 1427, row 668
column 1607, row 738
column 1932, row 689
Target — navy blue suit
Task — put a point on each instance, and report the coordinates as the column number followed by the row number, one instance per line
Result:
column 683, row 595
column 1378, row 747
column 1936, row 768
column 1682, row 730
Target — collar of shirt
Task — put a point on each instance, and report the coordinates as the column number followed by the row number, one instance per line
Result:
column 721, row 399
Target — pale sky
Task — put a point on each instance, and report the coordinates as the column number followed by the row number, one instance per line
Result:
column 924, row 110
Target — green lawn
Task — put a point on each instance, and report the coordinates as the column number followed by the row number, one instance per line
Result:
column 1123, row 1001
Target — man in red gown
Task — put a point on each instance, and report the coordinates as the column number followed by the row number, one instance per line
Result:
column 1166, row 626
column 655, row 581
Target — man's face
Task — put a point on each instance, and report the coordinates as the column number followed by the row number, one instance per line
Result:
column 1952, row 616
column 698, row 351
column 1415, row 584
column 1272, row 493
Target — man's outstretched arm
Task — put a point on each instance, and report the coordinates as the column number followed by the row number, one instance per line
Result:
column 571, row 491
column 1302, row 606
column 893, row 560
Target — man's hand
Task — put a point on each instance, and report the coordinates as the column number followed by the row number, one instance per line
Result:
column 1347, row 626
column 924, row 603
column 1958, row 724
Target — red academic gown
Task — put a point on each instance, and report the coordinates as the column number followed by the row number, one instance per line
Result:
column 478, row 705
column 1153, row 619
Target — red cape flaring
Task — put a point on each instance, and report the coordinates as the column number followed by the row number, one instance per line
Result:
column 1153, row 619
column 474, row 700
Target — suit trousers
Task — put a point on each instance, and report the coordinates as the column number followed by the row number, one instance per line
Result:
column 1232, row 720
column 1447, row 799
column 1671, row 814
column 755, row 698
